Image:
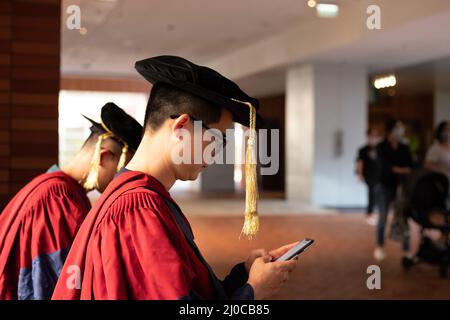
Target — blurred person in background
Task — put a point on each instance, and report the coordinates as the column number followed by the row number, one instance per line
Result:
column 366, row 169
column 438, row 159
column 438, row 156
column 394, row 163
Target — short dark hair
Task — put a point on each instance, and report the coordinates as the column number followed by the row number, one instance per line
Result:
column 438, row 134
column 390, row 125
column 166, row 100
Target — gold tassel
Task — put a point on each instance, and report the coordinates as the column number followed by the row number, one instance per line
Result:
column 123, row 157
column 91, row 182
column 251, row 223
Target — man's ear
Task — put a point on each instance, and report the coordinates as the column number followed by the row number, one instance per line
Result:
column 178, row 127
column 180, row 122
column 104, row 154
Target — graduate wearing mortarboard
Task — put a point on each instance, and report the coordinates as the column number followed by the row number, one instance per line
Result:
column 135, row 242
column 38, row 225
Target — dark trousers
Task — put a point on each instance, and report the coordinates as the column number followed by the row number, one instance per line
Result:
column 386, row 195
column 371, row 198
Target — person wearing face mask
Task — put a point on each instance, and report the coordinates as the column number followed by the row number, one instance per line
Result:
column 394, row 163
column 366, row 169
column 438, row 156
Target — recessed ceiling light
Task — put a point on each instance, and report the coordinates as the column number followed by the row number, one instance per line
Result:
column 83, row 31
column 312, row 3
column 327, row 10
column 385, row 82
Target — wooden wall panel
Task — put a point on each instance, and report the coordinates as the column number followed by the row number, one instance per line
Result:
column 29, row 88
column 102, row 84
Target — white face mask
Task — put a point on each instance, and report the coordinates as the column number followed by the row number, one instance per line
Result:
column 399, row 133
column 373, row 141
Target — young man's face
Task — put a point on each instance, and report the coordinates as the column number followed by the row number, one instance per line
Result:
column 191, row 170
column 373, row 137
column 398, row 132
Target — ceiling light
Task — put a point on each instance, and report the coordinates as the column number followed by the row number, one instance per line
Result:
column 327, row 10
column 312, row 3
column 83, row 31
column 385, row 82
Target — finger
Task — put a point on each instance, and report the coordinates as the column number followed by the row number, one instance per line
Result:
column 288, row 265
column 292, row 265
column 259, row 260
column 260, row 252
column 279, row 265
column 283, row 276
column 296, row 262
column 286, row 247
column 282, row 250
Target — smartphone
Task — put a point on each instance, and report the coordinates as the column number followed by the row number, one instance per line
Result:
column 296, row 250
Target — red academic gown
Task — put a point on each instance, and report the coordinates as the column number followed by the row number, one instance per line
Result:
column 133, row 245
column 37, row 228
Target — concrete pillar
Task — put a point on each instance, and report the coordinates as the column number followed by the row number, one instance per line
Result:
column 300, row 133
column 326, row 120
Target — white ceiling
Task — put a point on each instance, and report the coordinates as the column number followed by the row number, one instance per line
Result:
column 120, row 32
column 123, row 31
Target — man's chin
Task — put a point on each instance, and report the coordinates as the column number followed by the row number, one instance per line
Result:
column 190, row 177
column 195, row 176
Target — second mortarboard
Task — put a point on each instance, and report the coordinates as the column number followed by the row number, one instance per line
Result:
column 118, row 125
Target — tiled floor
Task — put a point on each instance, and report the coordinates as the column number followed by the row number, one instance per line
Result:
column 211, row 207
column 334, row 268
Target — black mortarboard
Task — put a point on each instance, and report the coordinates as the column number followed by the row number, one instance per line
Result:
column 118, row 125
column 200, row 81
column 124, row 128
column 213, row 87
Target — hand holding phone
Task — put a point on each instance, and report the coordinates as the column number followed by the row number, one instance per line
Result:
column 265, row 278
column 296, row 250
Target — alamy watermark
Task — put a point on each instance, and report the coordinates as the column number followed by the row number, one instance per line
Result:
column 73, row 21
column 211, row 146
column 373, row 21
column 374, row 280
column 74, row 277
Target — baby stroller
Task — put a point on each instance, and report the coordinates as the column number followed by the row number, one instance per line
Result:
column 427, row 206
